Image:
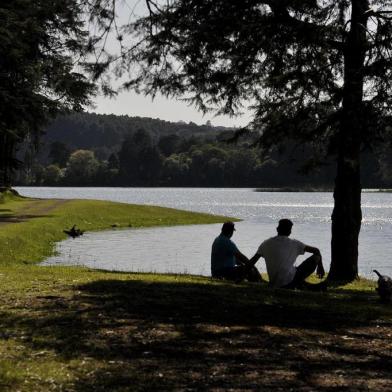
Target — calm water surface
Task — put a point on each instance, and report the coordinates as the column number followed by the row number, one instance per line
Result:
column 186, row 249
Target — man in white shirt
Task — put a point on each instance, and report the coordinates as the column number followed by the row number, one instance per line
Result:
column 280, row 253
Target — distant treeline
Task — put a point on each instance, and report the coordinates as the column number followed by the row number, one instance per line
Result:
column 107, row 150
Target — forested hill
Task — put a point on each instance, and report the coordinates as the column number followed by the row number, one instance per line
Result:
column 97, row 131
column 106, row 150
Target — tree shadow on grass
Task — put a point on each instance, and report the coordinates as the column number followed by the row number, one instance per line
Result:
column 146, row 335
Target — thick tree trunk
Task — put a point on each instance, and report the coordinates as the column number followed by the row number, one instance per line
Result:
column 6, row 156
column 3, row 161
column 347, row 216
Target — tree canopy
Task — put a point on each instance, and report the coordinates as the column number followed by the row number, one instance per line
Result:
column 285, row 57
column 46, row 52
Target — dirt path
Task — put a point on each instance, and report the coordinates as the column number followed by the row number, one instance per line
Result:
column 33, row 209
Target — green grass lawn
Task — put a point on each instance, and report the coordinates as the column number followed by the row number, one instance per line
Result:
column 77, row 329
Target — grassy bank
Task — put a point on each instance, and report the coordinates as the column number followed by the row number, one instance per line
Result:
column 29, row 228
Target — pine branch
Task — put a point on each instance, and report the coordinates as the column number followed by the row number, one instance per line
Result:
column 380, row 14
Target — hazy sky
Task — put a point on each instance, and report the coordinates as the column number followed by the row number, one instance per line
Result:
column 132, row 104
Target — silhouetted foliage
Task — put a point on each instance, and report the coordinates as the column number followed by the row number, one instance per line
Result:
column 45, row 51
column 59, row 153
column 82, row 167
column 169, row 144
column 139, row 160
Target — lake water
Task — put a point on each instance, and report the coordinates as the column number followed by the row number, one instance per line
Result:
column 186, row 249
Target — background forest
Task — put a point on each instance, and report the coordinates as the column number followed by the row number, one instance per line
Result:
column 86, row 149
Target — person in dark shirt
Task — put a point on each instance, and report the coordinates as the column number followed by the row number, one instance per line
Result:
column 227, row 262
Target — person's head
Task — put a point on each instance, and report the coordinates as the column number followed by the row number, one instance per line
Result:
column 284, row 227
column 228, row 229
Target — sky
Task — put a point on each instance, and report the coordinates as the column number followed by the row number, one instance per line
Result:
column 133, row 104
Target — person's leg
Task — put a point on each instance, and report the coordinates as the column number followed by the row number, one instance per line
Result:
column 304, row 270
column 236, row 274
column 239, row 273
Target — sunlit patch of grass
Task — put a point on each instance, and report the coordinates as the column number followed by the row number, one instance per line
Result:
column 9, row 195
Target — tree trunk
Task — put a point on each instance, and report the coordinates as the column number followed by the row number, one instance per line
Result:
column 3, row 160
column 347, row 215
column 7, row 151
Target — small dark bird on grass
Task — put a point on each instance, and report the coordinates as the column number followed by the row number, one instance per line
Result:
column 74, row 232
column 384, row 288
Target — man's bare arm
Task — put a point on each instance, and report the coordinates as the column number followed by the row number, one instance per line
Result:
column 241, row 258
column 311, row 249
column 320, row 272
column 254, row 259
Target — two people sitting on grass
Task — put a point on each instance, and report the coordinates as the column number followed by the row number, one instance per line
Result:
column 280, row 253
